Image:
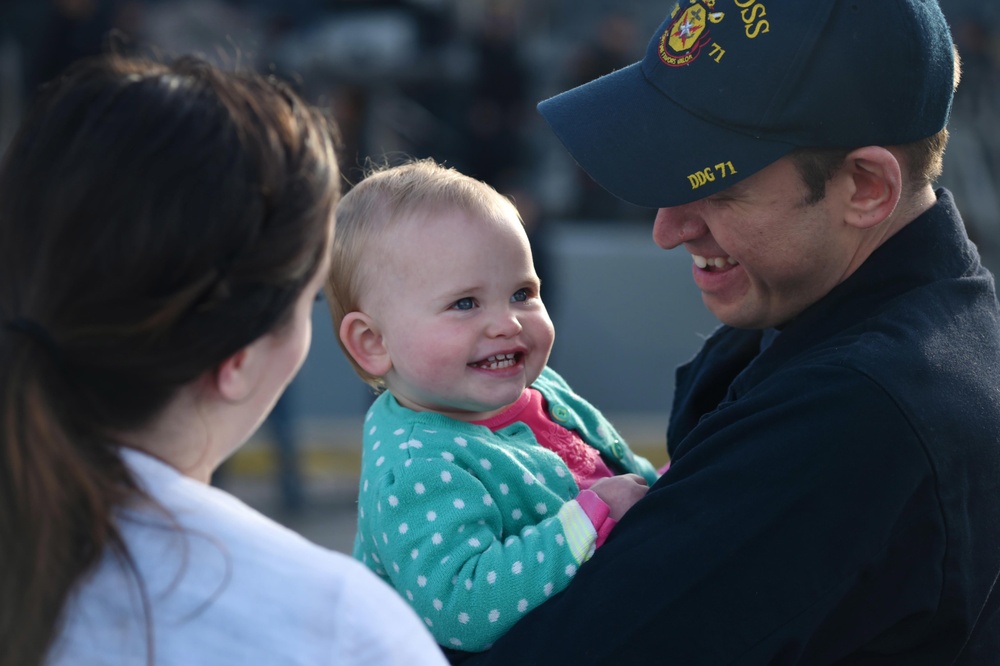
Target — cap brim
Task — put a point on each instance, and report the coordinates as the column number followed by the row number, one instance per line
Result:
column 645, row 149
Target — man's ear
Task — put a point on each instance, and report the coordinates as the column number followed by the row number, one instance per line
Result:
column 876, row 179
column 361, row 338
column 235, row 378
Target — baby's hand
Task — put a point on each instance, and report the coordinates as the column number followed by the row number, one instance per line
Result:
column 620, row 492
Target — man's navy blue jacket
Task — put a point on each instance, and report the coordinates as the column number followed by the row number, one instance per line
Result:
column 834, row 499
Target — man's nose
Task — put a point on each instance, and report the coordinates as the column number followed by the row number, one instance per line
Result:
column 677, row 225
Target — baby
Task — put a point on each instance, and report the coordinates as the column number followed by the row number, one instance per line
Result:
column 485, row 481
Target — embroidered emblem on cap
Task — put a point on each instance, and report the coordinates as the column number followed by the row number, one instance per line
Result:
column 687, row 33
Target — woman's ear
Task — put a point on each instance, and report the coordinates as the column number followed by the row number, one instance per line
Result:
column 877, row 181
column 362, row 339
column 235, row 378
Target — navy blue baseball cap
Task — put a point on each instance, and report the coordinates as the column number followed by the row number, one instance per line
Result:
column 729, row 86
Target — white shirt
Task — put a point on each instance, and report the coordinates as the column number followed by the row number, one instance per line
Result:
column 226, row 585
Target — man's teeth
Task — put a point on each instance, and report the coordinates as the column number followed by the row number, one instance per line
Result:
column 717, row 262
column 498, row 361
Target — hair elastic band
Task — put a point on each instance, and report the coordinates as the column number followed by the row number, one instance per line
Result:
column 34, row 331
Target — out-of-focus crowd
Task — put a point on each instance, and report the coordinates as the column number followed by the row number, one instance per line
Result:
column 972, row 162
column 456, row 79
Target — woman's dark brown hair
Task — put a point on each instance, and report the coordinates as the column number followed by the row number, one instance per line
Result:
column 154, row 219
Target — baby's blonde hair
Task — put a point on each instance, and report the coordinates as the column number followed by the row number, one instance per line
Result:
column 387, row 197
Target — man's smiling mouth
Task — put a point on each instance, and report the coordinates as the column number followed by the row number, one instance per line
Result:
column 710, row 263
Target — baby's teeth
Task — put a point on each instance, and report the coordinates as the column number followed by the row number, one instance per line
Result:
column 700, row 262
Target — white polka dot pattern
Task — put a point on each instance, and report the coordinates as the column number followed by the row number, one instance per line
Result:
column 455, row 511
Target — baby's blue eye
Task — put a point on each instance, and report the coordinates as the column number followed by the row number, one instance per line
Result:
column 464, row 304
column 519, row 296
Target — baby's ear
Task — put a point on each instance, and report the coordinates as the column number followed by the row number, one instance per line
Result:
column 363, row 341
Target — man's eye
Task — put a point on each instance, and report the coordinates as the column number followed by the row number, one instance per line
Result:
column 520, row 296
column 464, row 304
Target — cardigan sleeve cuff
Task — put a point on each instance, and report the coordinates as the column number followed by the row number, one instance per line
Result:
column 598, row 512
column 578, row 530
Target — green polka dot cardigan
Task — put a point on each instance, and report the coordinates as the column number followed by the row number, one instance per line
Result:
column 473, row 527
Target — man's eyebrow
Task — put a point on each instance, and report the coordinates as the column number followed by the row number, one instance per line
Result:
column 734, row 191
column 737, row 188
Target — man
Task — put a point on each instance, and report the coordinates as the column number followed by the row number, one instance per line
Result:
column 835, row 446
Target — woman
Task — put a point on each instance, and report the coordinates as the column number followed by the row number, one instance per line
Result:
column 164, row 229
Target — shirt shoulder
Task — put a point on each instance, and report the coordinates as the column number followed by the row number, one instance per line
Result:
column 224, row 584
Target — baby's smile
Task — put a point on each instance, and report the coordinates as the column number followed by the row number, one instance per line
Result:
column 498, row 361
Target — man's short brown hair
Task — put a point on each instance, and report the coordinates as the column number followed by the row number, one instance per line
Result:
column 923, row 160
